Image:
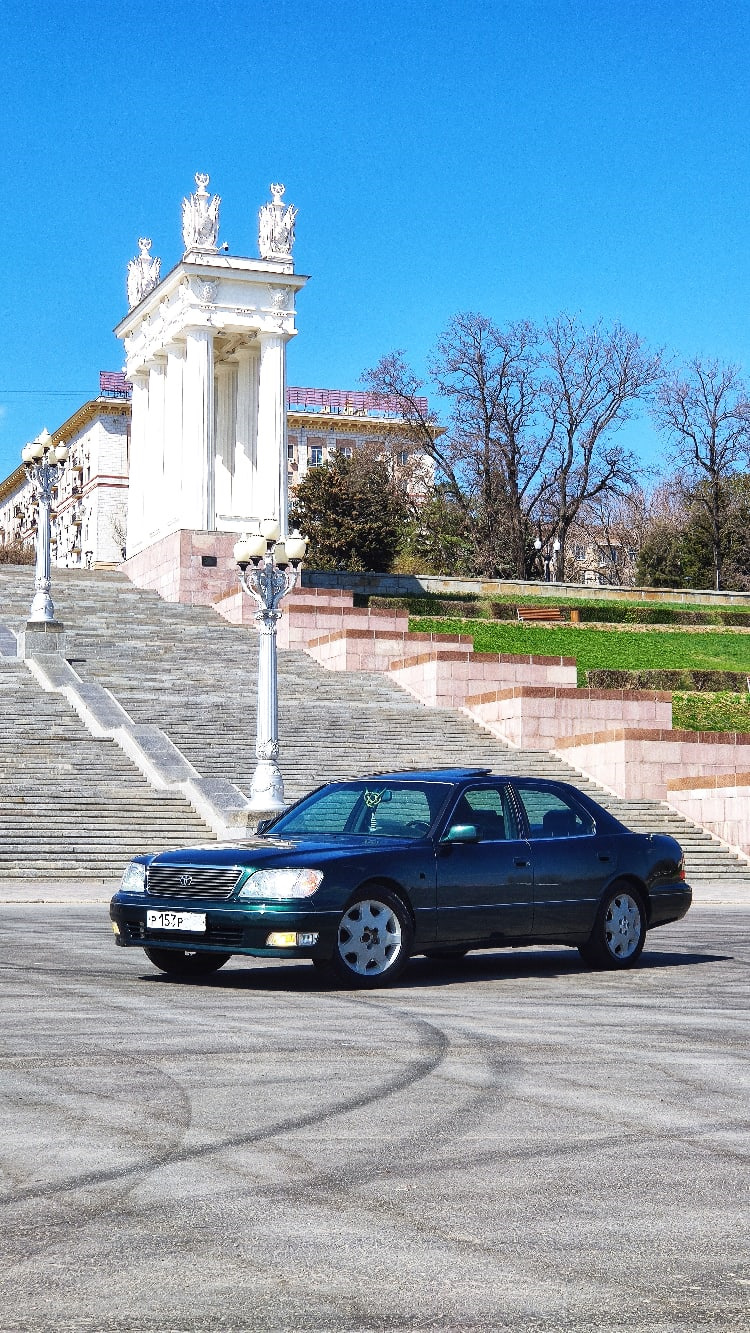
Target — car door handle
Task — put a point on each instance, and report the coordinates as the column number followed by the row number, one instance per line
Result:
column 603, row 858
column 517, row 861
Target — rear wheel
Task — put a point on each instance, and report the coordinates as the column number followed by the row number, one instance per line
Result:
column 619, row 931
column 185, row 962
column 373, row 940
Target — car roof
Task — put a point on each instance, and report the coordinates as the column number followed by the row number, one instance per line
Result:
column 426, row 775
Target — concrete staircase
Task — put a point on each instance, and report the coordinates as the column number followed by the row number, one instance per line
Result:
column 71, row 807
column 191, row 673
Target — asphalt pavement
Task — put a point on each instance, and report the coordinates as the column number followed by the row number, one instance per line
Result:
column 510, row 1142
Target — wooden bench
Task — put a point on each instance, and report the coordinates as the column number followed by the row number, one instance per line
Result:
column 539, row 613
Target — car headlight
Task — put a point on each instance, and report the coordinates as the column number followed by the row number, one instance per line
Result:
column 281, row 884
column 134, row 878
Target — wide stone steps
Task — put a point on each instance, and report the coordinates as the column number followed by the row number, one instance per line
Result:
column 194, row 675
column 71, row 807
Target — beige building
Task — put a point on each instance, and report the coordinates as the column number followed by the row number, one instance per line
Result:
column 90, row 516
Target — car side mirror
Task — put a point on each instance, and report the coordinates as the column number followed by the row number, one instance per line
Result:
column 461, row 833
column 263, row 824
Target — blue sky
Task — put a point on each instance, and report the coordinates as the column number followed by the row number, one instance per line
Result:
column 517, row 159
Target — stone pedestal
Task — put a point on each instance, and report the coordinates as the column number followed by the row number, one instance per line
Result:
column 41, row 637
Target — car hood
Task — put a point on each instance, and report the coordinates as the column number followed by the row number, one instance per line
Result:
column 257, row 852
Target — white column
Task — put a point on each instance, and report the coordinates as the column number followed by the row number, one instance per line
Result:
column 155, row 491
column 137, row 470
column 271, row 495
column 246, row 440
column 173, row 434
column 224, row 461
column 198, row 430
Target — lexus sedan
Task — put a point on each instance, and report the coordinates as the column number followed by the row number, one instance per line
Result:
column 361, row 875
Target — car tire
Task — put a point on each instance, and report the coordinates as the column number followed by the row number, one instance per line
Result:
column 619, row 930
column 373, row 939
column 185, row 963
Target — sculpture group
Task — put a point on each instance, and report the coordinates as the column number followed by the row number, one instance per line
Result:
column 200, row 234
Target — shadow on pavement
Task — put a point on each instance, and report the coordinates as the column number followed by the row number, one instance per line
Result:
column 299, row 975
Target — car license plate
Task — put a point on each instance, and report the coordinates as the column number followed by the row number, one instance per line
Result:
column 193, row 921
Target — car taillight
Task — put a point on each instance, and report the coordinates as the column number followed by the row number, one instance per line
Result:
column 681, row 872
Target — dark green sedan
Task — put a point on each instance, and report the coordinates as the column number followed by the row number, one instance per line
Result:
column 361, row 875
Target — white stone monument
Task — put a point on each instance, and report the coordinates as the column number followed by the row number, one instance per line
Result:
column 205, row 350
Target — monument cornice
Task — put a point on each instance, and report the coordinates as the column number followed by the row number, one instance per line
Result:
column 213, row 268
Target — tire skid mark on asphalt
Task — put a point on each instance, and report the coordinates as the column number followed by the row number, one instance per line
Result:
column 433, row 1043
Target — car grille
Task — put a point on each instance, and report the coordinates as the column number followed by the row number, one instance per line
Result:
column 204, row 881
column 225, row 936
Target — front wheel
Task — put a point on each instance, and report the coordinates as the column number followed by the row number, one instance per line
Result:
column 373, row 940
column 185, row 962
column 619, row 930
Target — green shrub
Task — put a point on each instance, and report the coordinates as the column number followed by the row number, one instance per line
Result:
column 16, row 553
column 697, row 680
column 711, row 712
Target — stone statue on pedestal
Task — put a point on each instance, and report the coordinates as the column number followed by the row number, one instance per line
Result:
column 276, row 227
column 143, row 273
column 200, row 218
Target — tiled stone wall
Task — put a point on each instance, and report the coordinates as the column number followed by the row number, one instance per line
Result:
column 446, row 678
column 538, row 716
column 720, row 804
column 638, row 763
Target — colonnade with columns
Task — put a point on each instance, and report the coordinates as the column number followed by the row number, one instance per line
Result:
column 206, row 355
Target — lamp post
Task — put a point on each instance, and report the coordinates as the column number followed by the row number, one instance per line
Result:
column 549, row 560
column 43, row 463
column 275, row 565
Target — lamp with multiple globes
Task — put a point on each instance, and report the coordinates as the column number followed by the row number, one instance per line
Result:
column 549, row 559
column 275, row 566
column 44, row 462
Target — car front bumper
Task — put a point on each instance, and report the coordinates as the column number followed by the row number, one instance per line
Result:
column 230, row 927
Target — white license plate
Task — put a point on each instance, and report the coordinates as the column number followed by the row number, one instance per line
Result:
column 194, row 921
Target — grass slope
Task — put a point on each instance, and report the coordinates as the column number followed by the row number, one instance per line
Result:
column 642, row 649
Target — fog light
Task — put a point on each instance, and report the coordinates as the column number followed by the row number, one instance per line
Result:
column 115, row 928
column 282, row 939
column 288, row 939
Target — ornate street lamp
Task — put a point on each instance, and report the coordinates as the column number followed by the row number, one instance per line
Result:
column 44, row 462
column 549, row 560
column 275, row 566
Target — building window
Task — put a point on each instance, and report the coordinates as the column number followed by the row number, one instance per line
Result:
column 315, row 458
column 579, row 553
column 290, row 452
column 346, row 451
column 402, row 457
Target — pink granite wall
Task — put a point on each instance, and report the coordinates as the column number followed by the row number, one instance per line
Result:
column 375, row 648
column 174, row 567
column 638, row 763
column 720, row 804
column 446, row 678
column 538, row 716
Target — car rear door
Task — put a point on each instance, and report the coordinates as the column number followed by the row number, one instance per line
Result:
column 570, row 861
column 484, row 888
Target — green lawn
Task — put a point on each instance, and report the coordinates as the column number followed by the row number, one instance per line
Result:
column 631, row 651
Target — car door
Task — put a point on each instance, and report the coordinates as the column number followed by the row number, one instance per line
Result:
column 484, row 886
column 570, row 861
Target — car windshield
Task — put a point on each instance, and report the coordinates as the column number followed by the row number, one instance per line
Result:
column 384, row 809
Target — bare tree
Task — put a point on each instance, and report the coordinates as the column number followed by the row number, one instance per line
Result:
column 614, row 524
column 491, row 456
column 703, row 410
column 594, row 377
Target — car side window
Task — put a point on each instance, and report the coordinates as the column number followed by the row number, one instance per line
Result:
column 550, row 815
column 490, row 810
